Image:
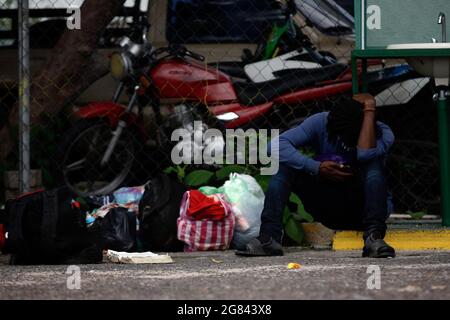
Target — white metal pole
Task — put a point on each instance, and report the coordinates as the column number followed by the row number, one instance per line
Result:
column 24, row 97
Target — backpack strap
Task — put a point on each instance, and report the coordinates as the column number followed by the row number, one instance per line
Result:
column 49, row 221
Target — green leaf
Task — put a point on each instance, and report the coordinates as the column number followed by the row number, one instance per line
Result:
column 169, row 170
column 417, row 215
column 263, row 181
column 301, row 213
column 224, row 173
column 198, row 178
column 181, row 172
column 294, row 230
column 286, row 216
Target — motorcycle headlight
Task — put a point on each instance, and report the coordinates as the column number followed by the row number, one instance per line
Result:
column 120, row 65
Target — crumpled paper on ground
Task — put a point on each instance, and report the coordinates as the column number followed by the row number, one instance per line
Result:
column 137, row 257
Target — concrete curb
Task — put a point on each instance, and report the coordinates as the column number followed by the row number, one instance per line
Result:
column 401, row 237
column 432, row 239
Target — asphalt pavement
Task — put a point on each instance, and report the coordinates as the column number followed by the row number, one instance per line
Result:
column 222, row 275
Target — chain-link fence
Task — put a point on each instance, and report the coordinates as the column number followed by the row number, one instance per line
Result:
column 279, row 62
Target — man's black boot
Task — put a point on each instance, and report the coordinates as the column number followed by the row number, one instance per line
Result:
column 262, row 246
column 376, row 247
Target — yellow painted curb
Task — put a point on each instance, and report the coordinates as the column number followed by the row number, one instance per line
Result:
column 399, row 239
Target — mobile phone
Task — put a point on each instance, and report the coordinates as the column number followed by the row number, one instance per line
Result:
column 346, row 167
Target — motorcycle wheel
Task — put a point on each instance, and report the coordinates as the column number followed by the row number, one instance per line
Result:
column 80, row 153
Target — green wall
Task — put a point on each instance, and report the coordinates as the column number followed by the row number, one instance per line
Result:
column 402, row 21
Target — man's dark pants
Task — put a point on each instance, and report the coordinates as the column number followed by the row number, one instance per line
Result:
column 357, row 204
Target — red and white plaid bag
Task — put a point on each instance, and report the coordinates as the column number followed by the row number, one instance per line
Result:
column 204, row 235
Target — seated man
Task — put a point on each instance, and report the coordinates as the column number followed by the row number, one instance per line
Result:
column 345, row 190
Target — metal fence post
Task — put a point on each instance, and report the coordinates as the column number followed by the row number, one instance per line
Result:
column 24, row 97
column 444, row 135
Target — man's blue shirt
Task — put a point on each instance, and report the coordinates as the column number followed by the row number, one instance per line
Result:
column 313, row 133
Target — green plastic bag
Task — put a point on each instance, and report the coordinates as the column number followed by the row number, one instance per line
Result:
column 247, row 199
column 241, row 186
column 207, row 190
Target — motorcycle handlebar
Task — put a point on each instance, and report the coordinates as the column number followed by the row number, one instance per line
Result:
column 180, row 51
column 194, row 55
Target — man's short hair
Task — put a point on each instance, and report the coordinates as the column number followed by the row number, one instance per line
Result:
column 345, row 121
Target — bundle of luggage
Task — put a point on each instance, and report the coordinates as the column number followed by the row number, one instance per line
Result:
column 58, row 227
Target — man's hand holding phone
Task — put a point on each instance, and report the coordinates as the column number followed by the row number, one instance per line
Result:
column 334, row 171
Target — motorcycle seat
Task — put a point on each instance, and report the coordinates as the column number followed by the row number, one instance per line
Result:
column 232, row 69
column 251, row 94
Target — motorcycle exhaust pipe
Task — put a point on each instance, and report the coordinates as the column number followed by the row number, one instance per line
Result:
column 118, row 132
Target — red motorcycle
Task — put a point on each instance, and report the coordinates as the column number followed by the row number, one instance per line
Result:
column 99, row 152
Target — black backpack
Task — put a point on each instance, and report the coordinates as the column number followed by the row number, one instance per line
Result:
column 48, row 227
column 159, row 210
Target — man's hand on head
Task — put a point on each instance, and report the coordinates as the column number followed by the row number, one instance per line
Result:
column 367, row 100
column 367, row 136
column 333, row 171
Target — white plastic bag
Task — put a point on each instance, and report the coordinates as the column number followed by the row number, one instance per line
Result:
column 247, row 200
